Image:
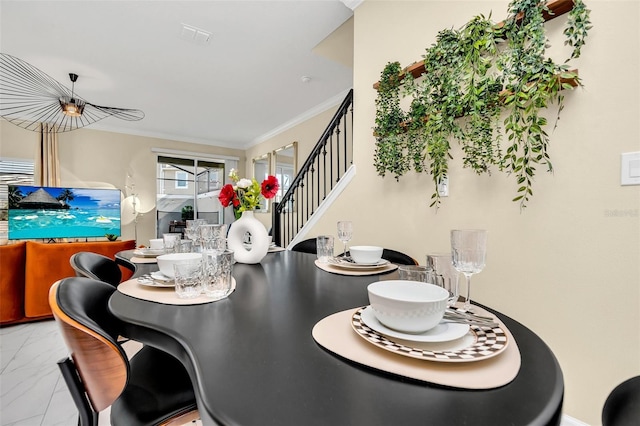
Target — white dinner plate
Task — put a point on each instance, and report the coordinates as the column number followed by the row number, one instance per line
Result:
column 157, row 284
column 478, row 344
column 147, row 252
column 345, row 264
column 443, row 332
column 159, row 276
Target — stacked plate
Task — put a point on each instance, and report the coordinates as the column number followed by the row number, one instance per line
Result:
column 156, row 279
column 148, row 252
column 447, row 342
column 352, row 266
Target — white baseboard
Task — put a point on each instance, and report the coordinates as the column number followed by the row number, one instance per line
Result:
column 570, row 421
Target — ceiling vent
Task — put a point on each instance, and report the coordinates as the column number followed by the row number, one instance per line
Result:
column 194, row 35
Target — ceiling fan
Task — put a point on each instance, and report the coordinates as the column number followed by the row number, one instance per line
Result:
column 29, row 97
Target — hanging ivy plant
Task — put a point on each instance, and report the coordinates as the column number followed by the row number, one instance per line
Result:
column 481, row 84
column 389, row 130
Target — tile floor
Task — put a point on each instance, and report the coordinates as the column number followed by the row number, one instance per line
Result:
column 32, row 390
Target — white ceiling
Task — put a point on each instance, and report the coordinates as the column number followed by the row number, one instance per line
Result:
column 234, row 91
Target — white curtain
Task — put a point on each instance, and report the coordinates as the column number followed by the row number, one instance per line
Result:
column 47, row 168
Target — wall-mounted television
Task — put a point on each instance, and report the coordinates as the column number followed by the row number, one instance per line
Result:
column 39, row 212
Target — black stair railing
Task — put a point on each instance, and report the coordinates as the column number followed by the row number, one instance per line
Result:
column 327, row 163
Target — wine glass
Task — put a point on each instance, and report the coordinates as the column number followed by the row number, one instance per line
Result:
column 468, row 253
column 345, row 232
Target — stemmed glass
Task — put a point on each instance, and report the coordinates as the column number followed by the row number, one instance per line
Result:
column 192, row 232
column 468, row 254
column 345, row 233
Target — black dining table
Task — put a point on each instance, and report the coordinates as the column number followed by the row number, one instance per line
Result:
column 253, row 360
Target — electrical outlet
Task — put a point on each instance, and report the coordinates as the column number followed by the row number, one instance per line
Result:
column 630, row 169
column 443, row 186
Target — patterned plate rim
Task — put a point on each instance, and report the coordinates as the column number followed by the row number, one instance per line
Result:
column 489, row 342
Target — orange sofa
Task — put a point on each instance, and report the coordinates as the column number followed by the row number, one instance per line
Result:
column 28, row 269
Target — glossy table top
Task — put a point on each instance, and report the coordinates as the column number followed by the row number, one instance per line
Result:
column 254, row 361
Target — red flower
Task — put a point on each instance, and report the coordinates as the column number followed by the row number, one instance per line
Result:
column 228, row 195
column 270, row 187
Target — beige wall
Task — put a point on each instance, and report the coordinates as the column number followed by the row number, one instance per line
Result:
column 93, row 158
column 569, row 265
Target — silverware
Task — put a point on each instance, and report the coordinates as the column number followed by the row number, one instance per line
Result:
column 468, row 314
column 470, row 319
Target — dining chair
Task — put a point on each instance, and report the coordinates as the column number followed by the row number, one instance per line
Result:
column 397, row 257
column 96, row 266
column 151, row 388
column 622, row 407
column 125, row 263
column 306, row 246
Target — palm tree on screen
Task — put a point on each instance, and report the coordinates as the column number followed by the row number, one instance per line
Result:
column 66, row 195
column 14, row 196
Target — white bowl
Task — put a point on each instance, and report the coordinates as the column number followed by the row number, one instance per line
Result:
column 408, row 306
column 166, row 261
column 366, row 254
column 156, row 243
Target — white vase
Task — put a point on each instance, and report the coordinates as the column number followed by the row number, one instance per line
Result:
column 259, row 239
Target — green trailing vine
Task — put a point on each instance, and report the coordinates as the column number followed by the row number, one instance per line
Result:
column 483, row 84
column 390, row 155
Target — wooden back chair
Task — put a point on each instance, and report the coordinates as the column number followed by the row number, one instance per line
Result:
column 153, row 388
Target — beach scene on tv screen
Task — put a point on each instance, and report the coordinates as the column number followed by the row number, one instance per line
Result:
column 46, row 212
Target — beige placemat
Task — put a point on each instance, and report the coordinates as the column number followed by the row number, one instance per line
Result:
column 341, row 271
column 136, row 259
column 336, row 334
column 275, row 249
column 166, row 295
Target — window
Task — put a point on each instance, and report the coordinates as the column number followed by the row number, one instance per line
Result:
column 181, row 180
column 188, row 188
column 12, row 172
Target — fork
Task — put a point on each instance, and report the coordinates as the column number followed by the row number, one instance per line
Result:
column 469, row 319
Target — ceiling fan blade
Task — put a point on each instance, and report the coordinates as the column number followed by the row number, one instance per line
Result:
column 29, row 97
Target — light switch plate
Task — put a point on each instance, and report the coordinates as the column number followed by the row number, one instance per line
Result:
column 443, row 186
column 630, row 168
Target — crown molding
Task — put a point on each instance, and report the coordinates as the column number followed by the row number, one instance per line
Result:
column 352, row 4
column 331, row 102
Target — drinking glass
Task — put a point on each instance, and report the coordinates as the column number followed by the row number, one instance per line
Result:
column 188, row 279
column 415, row 273
column 468, row 254
column 213, row 237
column 217, row 269
column 345, row 233
column 444, row 274
column 183, row 246
column 191, row 230
column 324, row 248
column 170, row 240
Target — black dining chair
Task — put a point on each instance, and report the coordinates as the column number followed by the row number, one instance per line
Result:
column 306, row 246
column 397, row 257
column 622, row 407
column 153, row 388
column 96, row 266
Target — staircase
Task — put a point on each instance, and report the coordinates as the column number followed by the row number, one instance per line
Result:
column 320, row 179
